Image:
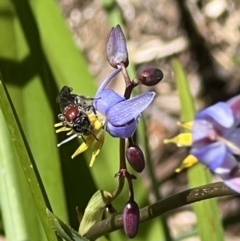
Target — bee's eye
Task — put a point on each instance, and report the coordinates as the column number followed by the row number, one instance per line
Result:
column 71, row 113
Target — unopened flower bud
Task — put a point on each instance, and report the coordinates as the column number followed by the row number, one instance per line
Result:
column 135, row 158
column 116, row 48
column 150, row 76
column 131, row 218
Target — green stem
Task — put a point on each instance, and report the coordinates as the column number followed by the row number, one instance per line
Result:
column 147, row 213
column 154, row 182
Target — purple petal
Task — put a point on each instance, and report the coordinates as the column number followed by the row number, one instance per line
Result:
column 122, row 131
column 226, row 169
column 234, row 184
column 202, row 129
column 213, row 155
column 125, row 111
column 107, row 80
column 220, row 113
column 105, row 100
column 234, row 137
column 234, row 104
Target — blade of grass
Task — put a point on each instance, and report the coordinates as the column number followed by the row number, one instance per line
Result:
column 10, row 190
column 18, row 198
column 27, row 162
column 66, row 61
column 41, row 137
column 209, row 222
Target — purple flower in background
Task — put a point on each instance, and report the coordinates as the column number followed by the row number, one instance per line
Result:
column 121, row 115
column 216, row 140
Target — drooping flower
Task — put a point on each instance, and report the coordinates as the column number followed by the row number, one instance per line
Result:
column 109, row 111
column 121, row 115
column 215, row 140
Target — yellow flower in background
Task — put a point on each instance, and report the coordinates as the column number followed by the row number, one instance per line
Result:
column 184, row 140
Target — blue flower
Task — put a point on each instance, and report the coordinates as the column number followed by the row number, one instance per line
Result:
column 121, row 115
column 216, row 140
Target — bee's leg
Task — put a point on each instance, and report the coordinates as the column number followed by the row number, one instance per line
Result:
column 83, row 138
column 94, row 111
column 78, row 100
column 94, row 135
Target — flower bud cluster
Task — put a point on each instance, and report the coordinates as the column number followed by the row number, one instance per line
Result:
column 117, row 56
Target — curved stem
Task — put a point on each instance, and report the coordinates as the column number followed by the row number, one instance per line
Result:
column 165, row 205
column 122, row 165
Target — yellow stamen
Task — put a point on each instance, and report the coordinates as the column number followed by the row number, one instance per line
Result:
column 96, row 122
column 84, row 146
column 183, row 139
column 58, row 124
column 186, row 125
column 71, row 132
column 189, row 161
column 64, row 128
column 97, row 147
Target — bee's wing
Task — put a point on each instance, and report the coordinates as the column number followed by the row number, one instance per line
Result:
column 65, row 97
column 124, row 111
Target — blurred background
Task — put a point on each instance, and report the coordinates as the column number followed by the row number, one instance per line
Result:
column 38, row 42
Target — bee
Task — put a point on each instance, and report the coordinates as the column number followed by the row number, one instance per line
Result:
column 77, row 116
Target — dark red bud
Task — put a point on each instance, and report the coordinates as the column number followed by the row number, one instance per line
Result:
column 135, row 158
column 150, row 76
column 131, row 218
column 116, row 48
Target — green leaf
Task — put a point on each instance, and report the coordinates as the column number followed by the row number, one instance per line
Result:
column 64, row 230
column 209, row 222
column 94, row 210
column 25, row 158
column 12, row 188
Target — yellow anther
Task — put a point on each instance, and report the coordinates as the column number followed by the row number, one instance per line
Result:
column 189, row 161
column 97, row 148
column 84, row 146
column 96, row 122
column 58, row 124
column 71, row 132
column 92, row 117
column 97, row 125
column 183, row 139
column 64, row 128
column 186, row 125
